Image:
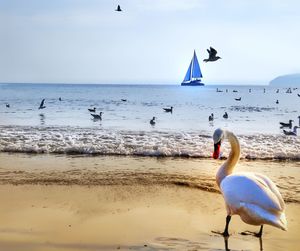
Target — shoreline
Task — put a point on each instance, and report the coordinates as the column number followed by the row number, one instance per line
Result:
column 197, row 173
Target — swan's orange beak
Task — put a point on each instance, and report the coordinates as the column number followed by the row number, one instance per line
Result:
column 216, row 153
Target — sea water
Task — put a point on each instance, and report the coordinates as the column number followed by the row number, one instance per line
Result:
column 66, row 126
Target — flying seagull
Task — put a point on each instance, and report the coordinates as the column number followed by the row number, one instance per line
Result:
column 118, row 8
column 42, row 104
column 212, row 55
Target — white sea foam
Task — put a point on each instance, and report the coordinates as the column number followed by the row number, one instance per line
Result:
column 75, row 140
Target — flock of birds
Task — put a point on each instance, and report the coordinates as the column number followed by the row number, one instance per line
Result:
column 289, row 125
column 283, row 125
column 211, row 116
column 99, row 116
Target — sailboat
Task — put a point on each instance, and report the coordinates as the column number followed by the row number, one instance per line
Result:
column 193, row 75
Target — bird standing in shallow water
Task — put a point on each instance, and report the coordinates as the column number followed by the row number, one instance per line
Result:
column 118, row 8
column 291, row 133
column 252, row 196
column 289, row 125
column 211, row 117
column 225, row 116
column 212, row 55
column 169, row 109
column 92, row 109
column 152, row 121
column 97, row 117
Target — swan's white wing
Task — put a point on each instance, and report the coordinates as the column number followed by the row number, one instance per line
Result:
column 241, row 188
column 273, row 188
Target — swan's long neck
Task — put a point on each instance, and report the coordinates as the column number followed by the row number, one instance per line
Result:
column 233, row 158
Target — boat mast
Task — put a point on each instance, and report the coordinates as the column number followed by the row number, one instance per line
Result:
column 192, row 68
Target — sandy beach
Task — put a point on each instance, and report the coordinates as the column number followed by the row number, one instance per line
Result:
column 47, row 203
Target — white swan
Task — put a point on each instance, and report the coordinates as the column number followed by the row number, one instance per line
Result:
column 253, row 196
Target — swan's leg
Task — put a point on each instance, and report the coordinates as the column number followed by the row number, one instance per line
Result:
column 225, row 233
column 259, row 234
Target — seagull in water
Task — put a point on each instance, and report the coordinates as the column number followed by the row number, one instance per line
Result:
column 238, row 99
column 7, row 105
column 289, row 125
column 212, row 55
column 92, row 110
column 277, row 101
column 152, row 121
column 211, row 117
column 291, row 133
column 97, row 117
column 225, row 116
column 169, row 109
column 42, row 104
column 118, row 8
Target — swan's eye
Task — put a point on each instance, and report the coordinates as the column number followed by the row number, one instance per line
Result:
column 216, row 153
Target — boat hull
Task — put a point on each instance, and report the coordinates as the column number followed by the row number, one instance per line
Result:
column 192, row 83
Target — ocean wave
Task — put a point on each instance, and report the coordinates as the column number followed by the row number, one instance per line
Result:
column 93, row 141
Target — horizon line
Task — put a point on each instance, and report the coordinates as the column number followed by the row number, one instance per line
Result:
column 149, row 83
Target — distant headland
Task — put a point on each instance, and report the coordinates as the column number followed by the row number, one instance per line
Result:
column 286, row 80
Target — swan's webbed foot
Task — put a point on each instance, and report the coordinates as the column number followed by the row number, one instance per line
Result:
column 258, row 235
column 225, row 234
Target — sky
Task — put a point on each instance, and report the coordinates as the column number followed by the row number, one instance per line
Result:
column 149, row 42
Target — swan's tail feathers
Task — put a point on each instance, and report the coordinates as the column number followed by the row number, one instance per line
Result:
column 282, row 223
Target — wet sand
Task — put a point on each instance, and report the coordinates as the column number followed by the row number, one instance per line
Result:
column 132, row 215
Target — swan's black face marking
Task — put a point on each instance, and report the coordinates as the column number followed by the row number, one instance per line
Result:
column 217, row 147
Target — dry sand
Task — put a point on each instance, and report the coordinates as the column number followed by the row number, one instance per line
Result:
column 138, row 216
